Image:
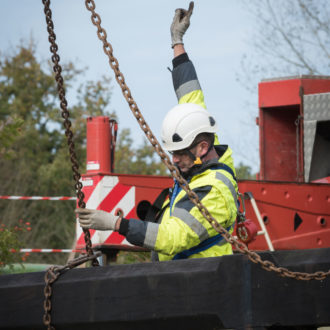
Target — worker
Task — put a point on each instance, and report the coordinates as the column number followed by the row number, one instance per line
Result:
column 189, row 135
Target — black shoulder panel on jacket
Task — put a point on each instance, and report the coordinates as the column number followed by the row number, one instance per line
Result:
column 187, row 204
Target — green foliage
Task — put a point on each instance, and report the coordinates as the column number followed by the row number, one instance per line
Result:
column 10, row 244
column 243, row 172
column 37, row 159
column 9, row 130
column 136, row 161
column 39, row 162
column 126, row 257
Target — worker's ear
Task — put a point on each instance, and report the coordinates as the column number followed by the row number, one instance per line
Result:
column 203, row 148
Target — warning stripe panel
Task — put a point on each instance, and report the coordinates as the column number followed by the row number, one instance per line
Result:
column 126, row 204
column 115, row 237
column 108, row 195
column 89, row 190
column 93, row 198
column 100, row 192
column 113, row 198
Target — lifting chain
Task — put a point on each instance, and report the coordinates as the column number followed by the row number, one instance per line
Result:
column 241, row 247
column 54, row 272
column 67, row 123
column 52, row 275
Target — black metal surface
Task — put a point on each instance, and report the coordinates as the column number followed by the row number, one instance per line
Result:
column 212, row 293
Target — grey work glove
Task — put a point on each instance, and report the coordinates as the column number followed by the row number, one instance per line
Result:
column 180, row 24
column 96, row 219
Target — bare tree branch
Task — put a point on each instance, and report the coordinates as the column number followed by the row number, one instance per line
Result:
column 312, row 16
column 305, row 11
column 289, row 38
column 288, row 41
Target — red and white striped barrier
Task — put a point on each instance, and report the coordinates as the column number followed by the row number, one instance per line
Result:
column 101, row 193
column 40, row 198
column 46, row 250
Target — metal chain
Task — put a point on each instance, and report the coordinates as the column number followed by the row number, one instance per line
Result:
column 67, row 123
column 241, row 247
column 54, row 272
column 52, row 275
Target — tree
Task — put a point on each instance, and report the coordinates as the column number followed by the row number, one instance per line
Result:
column 244, row 172
column 39, row 159
column 39, row 162
column 136, row 161
column 10, row 243
column 9, row 130
column 289, row 38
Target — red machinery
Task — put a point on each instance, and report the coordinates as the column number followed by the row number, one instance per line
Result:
column 104, row 190
column 290, row 201
column 294, row 122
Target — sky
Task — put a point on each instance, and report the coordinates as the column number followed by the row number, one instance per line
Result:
column 139, row 31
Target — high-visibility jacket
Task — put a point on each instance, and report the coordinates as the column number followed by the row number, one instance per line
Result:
column 182, row 226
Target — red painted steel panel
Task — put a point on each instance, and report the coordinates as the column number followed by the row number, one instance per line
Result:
column 279, row 93
column 283, row 92
column 147, row 181
column 278, row 153
column 280, row 204
column 280, row 105
column 316, row 86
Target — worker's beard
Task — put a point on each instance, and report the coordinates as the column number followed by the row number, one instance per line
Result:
column 183, row 174
column 187, row 174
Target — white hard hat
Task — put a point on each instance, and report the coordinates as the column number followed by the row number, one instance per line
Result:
column 183, row 123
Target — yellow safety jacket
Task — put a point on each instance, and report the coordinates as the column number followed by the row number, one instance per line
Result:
column 182, row 226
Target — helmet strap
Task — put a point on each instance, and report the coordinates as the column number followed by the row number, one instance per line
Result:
column 195, row 159
column 208, row 150
column 198, row 160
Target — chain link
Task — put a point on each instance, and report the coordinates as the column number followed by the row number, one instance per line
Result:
column 65, row 115
column 241, row 247
column 52, row 274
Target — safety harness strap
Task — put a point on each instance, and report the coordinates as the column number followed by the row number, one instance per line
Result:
column 202, row 246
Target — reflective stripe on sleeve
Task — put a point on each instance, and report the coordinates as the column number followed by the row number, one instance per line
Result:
column 229, row 185
column 151, row 235
column 191, row 222
column 187, row 87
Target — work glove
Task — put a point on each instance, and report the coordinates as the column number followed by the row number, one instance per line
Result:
column 96, row 219
column 180, row 24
